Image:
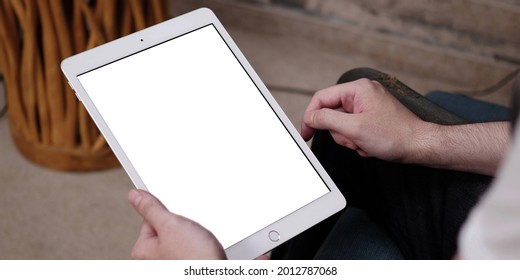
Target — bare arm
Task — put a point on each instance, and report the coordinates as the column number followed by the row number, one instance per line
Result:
column 363, row 116
column 476, row 148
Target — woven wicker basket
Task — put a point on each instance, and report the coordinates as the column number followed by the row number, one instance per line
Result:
column 48, row 124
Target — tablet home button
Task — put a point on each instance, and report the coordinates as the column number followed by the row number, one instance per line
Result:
column 274, row 235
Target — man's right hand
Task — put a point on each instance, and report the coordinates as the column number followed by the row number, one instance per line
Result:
column 363, row 116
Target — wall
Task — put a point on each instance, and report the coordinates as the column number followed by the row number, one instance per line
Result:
column 484, row 28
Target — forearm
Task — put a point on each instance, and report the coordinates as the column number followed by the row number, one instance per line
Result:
column 476, row 148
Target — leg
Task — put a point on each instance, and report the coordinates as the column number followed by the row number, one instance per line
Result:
column 420, row 208
column 356, row 236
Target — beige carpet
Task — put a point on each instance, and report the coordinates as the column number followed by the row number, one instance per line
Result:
column 56, row 215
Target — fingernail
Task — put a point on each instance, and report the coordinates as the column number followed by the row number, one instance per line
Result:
column 135, row 197
column 313, row 117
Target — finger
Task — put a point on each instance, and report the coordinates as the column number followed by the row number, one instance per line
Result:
column 320, row 119
column 306, row 131
column 362, row 153
column 339, row 97
column 343, row 141
column 346, row 142
column 263, row 258
column 327, row 119
column 149, row 207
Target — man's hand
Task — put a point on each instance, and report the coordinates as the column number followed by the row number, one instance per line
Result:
column 363, row 116
column 165, row 235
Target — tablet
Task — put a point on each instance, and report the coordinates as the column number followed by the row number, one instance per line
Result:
column 192, row 123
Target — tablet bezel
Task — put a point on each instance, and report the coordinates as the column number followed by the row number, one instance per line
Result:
column 258, row 243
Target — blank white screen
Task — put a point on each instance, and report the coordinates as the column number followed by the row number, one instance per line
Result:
column 202, row 137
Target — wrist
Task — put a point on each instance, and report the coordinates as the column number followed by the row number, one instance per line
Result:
column 476, row 148
column 425, row 143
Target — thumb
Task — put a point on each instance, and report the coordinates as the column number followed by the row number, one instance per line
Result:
column 148, row 206
column 333, row 120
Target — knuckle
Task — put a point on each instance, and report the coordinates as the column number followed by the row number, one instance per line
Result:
column 320, row 92
column 369, row 84
column 145, row 206
column 320, row 116
column 364, row 81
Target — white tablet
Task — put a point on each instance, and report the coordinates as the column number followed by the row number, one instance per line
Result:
column 192, row 123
